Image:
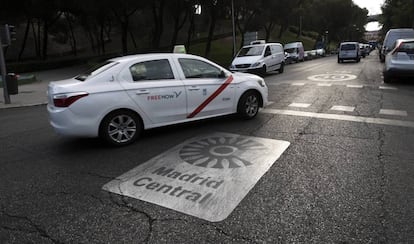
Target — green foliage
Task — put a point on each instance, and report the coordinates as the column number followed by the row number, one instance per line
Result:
column 397, row 14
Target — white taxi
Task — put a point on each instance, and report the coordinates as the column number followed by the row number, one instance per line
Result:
column 123, row 96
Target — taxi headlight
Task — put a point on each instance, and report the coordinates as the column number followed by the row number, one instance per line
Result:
column 256, row 64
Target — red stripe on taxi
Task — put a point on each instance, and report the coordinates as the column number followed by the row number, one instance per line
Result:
column 211, row 98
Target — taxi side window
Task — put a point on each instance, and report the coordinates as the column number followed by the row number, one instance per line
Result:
column 152, row 70
column 194, row 68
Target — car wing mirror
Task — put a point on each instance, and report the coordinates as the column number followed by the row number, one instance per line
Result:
column 222, row 74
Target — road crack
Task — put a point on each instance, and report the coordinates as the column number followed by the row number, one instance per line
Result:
column 36, row 227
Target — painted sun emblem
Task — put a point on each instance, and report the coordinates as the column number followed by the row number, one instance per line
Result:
column 219, row 152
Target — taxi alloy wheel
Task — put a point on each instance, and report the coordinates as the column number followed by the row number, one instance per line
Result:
column 121, row 128
column 249, row 105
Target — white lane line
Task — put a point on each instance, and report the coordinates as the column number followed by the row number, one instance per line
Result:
column 300, row 105
column 388, row 88
column 343, row 108
column 354, row 86
column 298, row 84
column 324, row 84
column 351, row 118
column 393, row 112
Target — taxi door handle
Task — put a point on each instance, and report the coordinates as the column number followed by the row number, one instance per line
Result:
column 194, row 88
column 142, row 92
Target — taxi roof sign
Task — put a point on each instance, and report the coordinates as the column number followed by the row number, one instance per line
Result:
column 179, row 49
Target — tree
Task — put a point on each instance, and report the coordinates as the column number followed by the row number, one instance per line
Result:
column 397, row 14
column 179, row 10
column 247, row 13
column 123, row 10
column 158, row 7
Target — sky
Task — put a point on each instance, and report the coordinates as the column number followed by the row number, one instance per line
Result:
column 374, row 7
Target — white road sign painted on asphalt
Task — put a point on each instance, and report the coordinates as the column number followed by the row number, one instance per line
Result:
column 332, row 77
column 206, row 176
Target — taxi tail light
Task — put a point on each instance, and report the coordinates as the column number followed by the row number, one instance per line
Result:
column 65, row 100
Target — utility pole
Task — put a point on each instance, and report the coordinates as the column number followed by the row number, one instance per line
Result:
column 3, row 75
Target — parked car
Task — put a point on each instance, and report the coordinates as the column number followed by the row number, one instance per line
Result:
column 390, row 38
column 259, row 59
column 399, row 62
column 295, row 52
column 320, row 52
column 349, row 51
column 364, row 49
column 123, row 96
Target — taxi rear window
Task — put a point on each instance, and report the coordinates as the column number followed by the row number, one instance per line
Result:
column 99, row 68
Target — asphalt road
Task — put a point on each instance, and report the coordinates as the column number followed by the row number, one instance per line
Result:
column 347, row 176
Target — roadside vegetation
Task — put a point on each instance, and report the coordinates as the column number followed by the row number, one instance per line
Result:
column 61, row 30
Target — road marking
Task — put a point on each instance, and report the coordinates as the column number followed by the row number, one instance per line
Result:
column 343, row 108
column 211, row 98
column 324, row 84
column 368, row 120
column 332, row 77
column 388, row 88
column 206, row 176
column 299, row 105
column 393, row 112
column 298, row 84
column 354, row 86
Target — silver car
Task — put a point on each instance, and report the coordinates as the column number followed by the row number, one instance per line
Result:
column 399, row 62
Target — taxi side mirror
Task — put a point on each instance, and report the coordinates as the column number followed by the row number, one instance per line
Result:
column 222, row 74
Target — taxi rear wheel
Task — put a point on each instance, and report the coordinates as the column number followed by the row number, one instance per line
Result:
column 120, row 128
column 248, row 106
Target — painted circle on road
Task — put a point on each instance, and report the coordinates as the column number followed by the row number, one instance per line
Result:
column 220, row 152
column 332, row 77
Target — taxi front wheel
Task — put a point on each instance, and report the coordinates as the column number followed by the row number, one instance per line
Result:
column 248, row 106
column 120, row 128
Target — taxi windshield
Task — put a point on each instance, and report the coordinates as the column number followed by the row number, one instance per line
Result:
column 251, row 51
column 96, row 70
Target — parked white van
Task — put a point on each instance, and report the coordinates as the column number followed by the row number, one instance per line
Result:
column 295, row 52
column 259, row 59
column 349, row 51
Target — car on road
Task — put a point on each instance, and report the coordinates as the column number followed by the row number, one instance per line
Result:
column 259, row 59
column 390, row 38
column 121, row 97
column 399, row 62
column 349, row 51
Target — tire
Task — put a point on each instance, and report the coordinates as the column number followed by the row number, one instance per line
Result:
column 387, row 78
column 120, row 128
column 339, row 61
column 282, row 68
column 248, row 106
